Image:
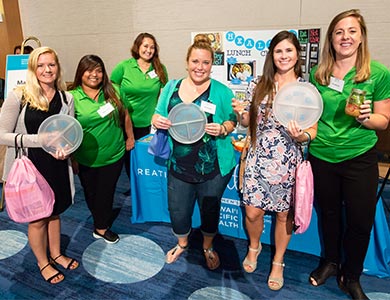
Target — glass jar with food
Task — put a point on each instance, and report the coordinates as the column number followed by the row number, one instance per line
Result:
column 355, row 99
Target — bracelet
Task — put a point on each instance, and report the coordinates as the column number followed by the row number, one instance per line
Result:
column 225, row 133
column 308, row 139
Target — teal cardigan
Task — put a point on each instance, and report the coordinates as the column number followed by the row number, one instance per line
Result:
column 221, row 96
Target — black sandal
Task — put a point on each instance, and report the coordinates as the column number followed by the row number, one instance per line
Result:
column 351, row 287
column 73, row 262
column 50, row 279
column 322, row 273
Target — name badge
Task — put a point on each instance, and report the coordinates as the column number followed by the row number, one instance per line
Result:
column 208, row 107
column 105, row 109
column 336, row 84
column 152, row 74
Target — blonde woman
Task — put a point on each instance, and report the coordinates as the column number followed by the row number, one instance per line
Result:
column 24, row 110
column 343, row 156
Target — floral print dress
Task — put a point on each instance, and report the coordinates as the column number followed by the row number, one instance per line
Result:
column 269, row 177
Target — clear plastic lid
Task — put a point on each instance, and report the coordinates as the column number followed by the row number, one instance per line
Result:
column 60, row 132
column 299, row 101
column 188, row 123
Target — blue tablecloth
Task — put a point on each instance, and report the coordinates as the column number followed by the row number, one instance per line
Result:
column 149, row 204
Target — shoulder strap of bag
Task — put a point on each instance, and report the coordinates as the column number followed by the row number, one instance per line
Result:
column 19, row 151
column 64, row 97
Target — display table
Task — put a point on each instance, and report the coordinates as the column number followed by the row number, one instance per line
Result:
column 149, row 204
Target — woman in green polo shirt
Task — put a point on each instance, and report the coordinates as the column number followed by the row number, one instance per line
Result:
column 99, row 159
column 141, row 79
column 343, row 155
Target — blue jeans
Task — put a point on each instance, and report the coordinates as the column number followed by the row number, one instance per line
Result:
column 181, row 202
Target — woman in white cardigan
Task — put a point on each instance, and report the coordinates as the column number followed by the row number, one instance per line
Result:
column 23, row 111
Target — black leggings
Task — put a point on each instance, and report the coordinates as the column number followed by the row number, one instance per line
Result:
column 346, row 196
column 99, row 185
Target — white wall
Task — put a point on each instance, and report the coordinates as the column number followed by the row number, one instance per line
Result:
column 107, row 28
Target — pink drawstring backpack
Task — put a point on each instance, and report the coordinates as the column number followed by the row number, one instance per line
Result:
column 28, row 196
column 304, row 194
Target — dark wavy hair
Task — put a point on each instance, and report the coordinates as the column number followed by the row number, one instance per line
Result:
column 90, row 62
column 155, row 61
column 266, row 85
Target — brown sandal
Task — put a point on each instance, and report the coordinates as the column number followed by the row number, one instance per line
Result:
column 212, row 258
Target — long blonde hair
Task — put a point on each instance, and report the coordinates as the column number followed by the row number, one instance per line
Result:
column 328, row 58
column 32, row 90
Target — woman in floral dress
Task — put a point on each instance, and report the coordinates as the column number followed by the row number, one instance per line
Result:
column 273, row 156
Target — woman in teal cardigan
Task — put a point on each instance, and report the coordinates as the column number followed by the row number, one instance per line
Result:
column 200, row 170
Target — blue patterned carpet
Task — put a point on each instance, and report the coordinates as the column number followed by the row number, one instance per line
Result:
column 134, row 268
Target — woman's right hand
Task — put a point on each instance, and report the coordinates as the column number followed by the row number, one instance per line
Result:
column 161, row 122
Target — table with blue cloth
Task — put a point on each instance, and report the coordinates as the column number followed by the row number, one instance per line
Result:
column 149, row 204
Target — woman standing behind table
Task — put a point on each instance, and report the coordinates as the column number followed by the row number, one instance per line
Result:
column 141, row 79
column 23, row 112
column 200, row 170
column 273, row 155
column 343, row 156
column 99, row 159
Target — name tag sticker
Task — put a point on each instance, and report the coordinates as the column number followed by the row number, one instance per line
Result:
column 208, row 107
column 152, row 74
column 105, row 109
column 336, row 84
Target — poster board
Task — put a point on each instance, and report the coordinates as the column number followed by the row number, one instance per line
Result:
column 239, row 56
column 15, row 71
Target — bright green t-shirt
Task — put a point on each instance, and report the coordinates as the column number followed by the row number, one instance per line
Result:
column 340, row 137
column 103, row 142
column 141, row 90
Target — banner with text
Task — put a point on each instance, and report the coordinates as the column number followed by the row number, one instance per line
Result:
column 239, row 56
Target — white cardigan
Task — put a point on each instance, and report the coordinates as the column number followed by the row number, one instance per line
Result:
column 12, row 123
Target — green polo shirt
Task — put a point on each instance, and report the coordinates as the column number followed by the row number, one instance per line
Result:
column 339, row 136
column 141, row 90
column 103, row 142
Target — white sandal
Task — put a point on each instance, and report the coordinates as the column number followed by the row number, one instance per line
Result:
column 172, row 254
column 275, row 283
column 250, row 266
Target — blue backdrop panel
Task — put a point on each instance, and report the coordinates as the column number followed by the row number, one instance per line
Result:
column 149, row 204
